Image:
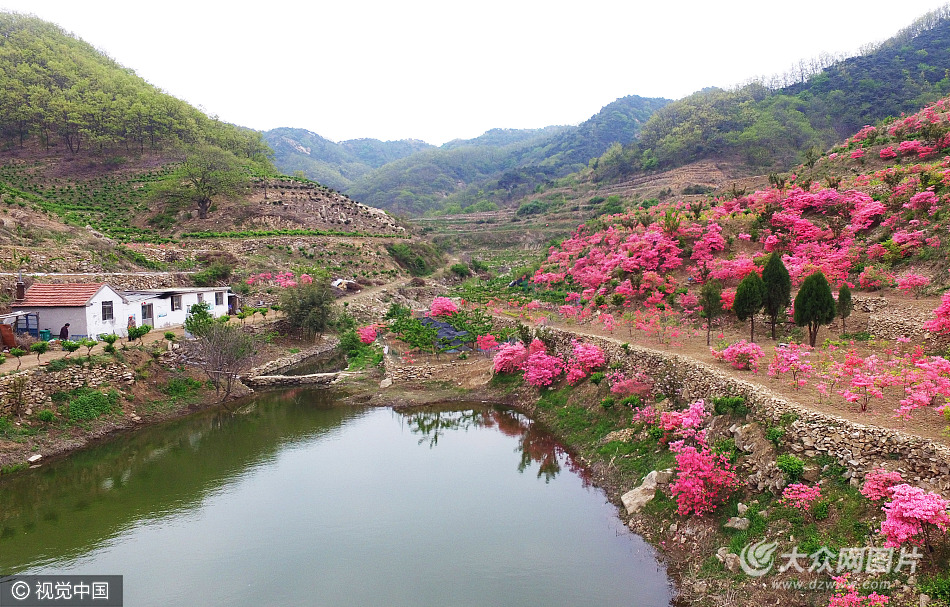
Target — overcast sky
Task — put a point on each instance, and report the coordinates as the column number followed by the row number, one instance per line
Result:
column 438, row 70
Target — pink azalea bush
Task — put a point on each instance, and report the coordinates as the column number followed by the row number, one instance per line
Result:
column 486, row 342
column 846, row 595
column 741, row 355
column 879, row 484
column 367, row 334
column 684, row 423
column 800, row 496
column 541, row 369
column 911, row 514
column 912, row 283
column 793, row 359
column 584, row 359
column 443, row 306
column 941, row 321
column 703, row 479
column 510, row 358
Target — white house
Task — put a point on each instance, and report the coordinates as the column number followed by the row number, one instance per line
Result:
column 96, row 308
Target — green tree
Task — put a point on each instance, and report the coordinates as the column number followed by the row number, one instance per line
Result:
column 70, row 346
column 309, row 307
column 199, row 319
column 749, row 299
column 778, row 288
column 206, row 173
column 710, row 298
column 40, row 347
column 814, row 305
column 844, row 305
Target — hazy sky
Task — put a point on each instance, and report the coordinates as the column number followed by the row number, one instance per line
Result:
column 440, row 70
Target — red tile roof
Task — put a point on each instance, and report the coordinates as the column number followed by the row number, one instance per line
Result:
column 58, row 296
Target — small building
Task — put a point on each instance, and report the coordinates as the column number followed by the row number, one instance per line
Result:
column 92, row 309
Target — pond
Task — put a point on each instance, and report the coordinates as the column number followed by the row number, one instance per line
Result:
column 295, row 500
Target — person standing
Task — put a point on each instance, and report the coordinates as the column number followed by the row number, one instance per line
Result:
column 64, row 332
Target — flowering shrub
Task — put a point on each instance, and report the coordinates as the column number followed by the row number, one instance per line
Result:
column 686, row 423
column 912, row 513
column 793, row 359
column 879, row 484
column 584, row 359
column 800, row 496
column 541, row 369
column 703, row 479
column 443, row 306
column 510, row 358
column 874, row 278
column 639, row 384
column 846, row 595
column 888, row 153
column 742, row 355
column 486, row 342
column 912, row 283
column 857, row 154
column 941, row 321
column 367, row 334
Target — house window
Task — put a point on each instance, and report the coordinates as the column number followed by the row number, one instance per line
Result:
column 176, row 302
column 107, row 313
column 219, row 298
column 201, row 297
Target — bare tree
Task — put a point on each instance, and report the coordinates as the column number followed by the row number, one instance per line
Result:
column 222, row 352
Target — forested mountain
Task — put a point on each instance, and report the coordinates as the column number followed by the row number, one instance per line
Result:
column 60, row 92
column 472, row 174
column 768, row 126
column 336, row 165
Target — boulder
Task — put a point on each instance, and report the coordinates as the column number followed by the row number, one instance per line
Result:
column 635, row 499
column 739, row 523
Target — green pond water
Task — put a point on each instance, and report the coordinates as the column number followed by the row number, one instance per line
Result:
column 291, row 500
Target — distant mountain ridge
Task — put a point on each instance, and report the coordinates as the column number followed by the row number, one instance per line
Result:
column 772, row 128
column 414, row 177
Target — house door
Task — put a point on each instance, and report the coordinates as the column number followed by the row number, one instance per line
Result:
column 147, row 317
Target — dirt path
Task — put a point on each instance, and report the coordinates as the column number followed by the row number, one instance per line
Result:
column 925, row 423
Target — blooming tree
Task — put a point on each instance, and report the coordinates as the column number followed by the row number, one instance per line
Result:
column 443, row 306
column 912, row 516
column 703, row 479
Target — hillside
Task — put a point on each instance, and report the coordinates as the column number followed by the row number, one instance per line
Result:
column 769, row 127
column 336, row 165
column 491, row 169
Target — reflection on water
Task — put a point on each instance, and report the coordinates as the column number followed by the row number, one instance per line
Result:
column 534, row 443
column 293, row 500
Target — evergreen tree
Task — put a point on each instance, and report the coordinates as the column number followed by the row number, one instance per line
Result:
column 710, row 298
column 749, row 299
column 778, row 288
column 814, row 305
column 845, row 305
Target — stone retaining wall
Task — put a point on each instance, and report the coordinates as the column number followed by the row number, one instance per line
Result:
column 41, row 383
column 426, row 371
column 857, row 447
column 261, row 381
column 268, row 368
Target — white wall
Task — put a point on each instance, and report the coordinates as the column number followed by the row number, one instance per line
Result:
column 95, row 325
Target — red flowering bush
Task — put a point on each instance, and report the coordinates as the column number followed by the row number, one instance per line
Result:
column 888, row 153
column 367, row 334
column 703, row 479
column 541, row 369
column 879, row 484
column 486, row 342
column 846, row 595
column 443, row 306
column 510, row 358
column 941, row 321
column 741, row 355
column 912, row 515
column 913, row 283
column 584, row 359
column 800, row 496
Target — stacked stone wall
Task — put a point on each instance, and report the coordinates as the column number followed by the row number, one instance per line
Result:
column 40, row 384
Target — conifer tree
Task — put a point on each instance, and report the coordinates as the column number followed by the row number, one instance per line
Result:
column 845, row 305
column 749, row 299
column 710, row 298
column 778, row 288
column 814, row 305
